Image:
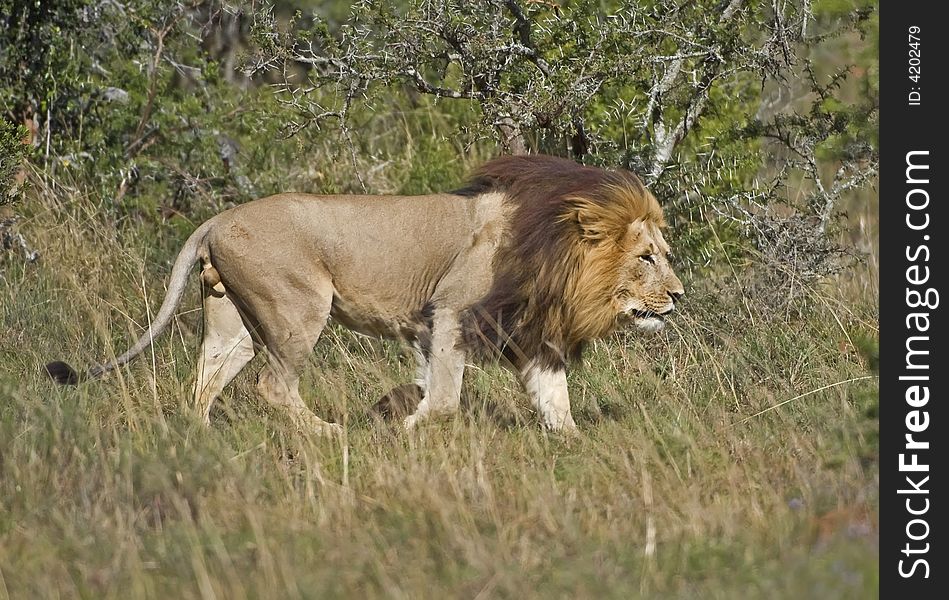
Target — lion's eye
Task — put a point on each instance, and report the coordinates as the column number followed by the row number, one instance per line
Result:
column 648, row 258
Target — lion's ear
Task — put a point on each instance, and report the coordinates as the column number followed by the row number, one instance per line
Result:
column 594, row 226
column 587, row 223
column 635, row 229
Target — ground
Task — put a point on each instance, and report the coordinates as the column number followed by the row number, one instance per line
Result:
column 675, row 486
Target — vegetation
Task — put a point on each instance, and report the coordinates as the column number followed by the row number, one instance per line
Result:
column 733, row 455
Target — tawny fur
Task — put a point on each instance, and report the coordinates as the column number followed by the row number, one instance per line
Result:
column 537, row 256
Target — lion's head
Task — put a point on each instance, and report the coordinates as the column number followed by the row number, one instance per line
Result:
column 646, row 286
column 623, row 273
column 586, row 254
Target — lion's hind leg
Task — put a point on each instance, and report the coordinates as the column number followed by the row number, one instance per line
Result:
column 227, row 347
column 289, row 336
column 280, row 388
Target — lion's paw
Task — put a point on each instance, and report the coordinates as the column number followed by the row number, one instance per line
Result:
column 312, row 424
column 330, row 429
column 565, row 427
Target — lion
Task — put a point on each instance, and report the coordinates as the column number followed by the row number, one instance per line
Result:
column 536, row 257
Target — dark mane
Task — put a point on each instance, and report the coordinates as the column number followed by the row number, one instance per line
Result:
column 529, row 312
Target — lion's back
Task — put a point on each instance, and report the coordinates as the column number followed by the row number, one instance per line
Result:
column 388, row 257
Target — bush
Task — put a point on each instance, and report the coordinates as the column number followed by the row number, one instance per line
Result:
column 721, row 109
column 12, row 152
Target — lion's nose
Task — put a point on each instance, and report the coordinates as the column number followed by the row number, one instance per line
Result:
column 676, row 295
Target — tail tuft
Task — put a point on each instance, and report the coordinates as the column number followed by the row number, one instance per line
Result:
column 62, row 373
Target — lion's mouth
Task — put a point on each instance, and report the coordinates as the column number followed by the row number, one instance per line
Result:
column 645, row 320
column 647, row 314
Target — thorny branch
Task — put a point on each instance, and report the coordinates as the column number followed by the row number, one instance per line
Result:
column 540, row 74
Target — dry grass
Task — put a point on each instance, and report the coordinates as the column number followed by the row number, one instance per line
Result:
column 113, row 490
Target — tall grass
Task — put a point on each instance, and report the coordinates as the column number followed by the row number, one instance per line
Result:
column 674, row 487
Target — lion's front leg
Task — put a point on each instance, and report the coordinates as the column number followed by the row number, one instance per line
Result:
column 446, row 367
column 548, row 390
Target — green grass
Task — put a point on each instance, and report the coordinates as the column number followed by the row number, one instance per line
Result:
column 112, row 489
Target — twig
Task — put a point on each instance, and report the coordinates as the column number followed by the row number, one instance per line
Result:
column 820, row 389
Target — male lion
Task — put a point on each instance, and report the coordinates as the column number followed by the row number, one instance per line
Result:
column 537, row 256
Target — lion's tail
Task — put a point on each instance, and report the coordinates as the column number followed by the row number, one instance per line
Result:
column 62, row 373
